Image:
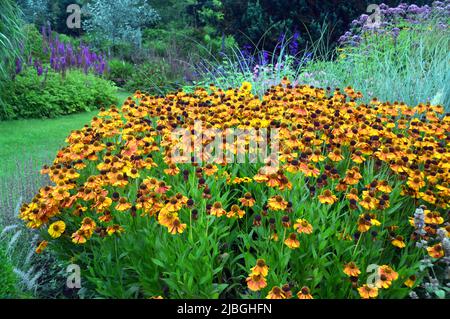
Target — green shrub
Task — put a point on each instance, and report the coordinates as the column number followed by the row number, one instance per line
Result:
column 154, row 77
column 120, row 72
column 160, row 40
column 33, row 96
column 186, row 42
column 8, row 280
column 34, row 44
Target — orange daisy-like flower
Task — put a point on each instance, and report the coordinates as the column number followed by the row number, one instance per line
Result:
column 398, row 242
column 351, row 269
column 217, row 210
column 276, row 293
column 410, row 281
column 367, row 292
column 115, row 229
column 327, row 197
column 138, row 94
column 246, row 87
column 88, row 225
column 256, row 282
column 42, row 245
column 416, row 183
column 341, row 186
column 390, row 274
column 436, row 251
column 352, row 177
column 277, row 203
column 260, row 178
column 79, row 237
column 235, row 212
column 162, row 188
column 106, row 217
column 173, row 205
column 368, row 203
column 167, row 218
column 292, row 242
column 102, row 203
column 247, row 200
column 176, row 227
column 210, row 169
column 123, row 205
column 384, row 187
column 433, row 218
column 383, row 281
column 302, row 226
column 366, row 221
column 132, row 172
column 353, row 194
column 336, row 155
column 309, row 170
column 304, row 293
column 317, row 156
column 287, row 290
column 358, row 157
column 60, row 194
column 57, row 229
column 172, row 170
column 261, row 268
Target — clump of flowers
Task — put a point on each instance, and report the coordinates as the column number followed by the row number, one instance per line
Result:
column 346, row 175
column 63, row 56
column 392, row 19
column 257, row 277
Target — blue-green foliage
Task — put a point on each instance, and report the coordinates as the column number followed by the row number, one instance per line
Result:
column 115, row 21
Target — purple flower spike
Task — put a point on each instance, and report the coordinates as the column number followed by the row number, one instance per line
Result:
column 18, row 66
column 63, row 56
column 39, row 70
column 293, row 46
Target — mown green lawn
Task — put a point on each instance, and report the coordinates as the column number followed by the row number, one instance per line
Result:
column 37, row 140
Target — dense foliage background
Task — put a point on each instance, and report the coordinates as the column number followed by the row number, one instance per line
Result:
column 173, row 37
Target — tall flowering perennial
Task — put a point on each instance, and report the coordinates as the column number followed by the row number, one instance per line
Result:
column 121, row 169
column 64, row 56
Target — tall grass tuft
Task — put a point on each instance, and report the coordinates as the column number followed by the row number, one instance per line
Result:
column 10, row 38
column 412, row 67
column 34, row 275
column 263, row 68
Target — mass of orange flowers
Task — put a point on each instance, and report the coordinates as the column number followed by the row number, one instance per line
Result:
column 326, row 136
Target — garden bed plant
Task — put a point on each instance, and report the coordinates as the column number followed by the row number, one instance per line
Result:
column 349, row 205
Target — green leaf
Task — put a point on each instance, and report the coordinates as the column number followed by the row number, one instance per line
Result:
column 158, row 262
column 440, row 293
